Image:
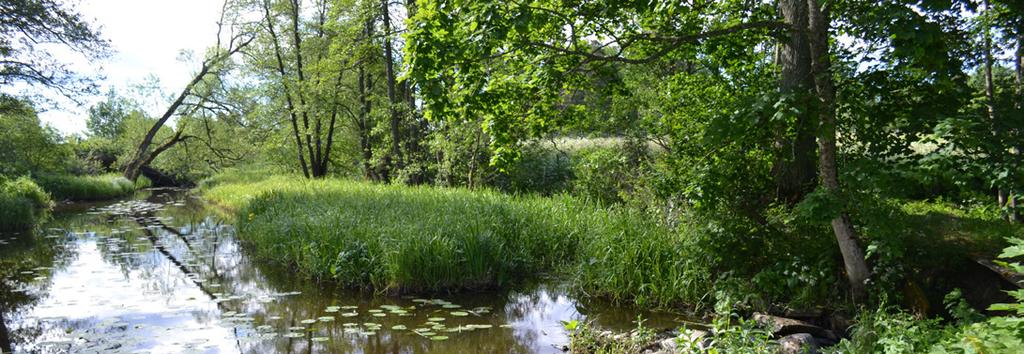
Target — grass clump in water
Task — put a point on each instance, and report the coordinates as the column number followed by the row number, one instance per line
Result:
column 90, row 188
column 403, row 238
column 22, row 204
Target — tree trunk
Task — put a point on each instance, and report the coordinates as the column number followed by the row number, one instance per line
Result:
column 292, row 113
column 794, row 168
column 990, row 100
column 1018, row 60
column 300, row 85
column 142, row 154
column 389, row 71
column 5, row 336
column 853, row 256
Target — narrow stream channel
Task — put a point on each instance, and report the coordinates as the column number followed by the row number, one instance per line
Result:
column 161, row 273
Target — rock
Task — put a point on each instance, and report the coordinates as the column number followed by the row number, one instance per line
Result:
column 669, row 344
column 781, row 326
column 800, row 343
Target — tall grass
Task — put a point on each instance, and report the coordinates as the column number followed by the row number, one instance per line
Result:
column 89, row 188
column 399, row 238
column 22, row 204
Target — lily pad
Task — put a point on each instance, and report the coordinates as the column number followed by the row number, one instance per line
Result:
column 309, row 321
column 460, row 314
column 439, row 338
column 398, row 328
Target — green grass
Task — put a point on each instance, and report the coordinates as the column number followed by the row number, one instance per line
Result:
column 89, row 188
column 399, row 238
column 22, row 204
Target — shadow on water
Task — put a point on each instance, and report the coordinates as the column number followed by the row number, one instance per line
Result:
column 162, row 274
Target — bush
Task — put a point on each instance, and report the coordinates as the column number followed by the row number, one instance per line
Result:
column 87, row 188
column 540, row 170
column 22, row 204
column 892, row 331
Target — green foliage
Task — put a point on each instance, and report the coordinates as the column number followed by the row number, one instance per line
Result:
column 22, row 204
column 26, row 146
column 540, row 170
column 107, row 118
column 86, row 188
column 887, row 330
column 586, row 338
column 29, row 28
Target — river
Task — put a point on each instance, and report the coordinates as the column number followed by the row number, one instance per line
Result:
column 163, row 273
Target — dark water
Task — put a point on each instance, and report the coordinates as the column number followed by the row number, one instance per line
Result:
column 164, row 274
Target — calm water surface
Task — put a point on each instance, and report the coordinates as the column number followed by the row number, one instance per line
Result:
column 163, row 274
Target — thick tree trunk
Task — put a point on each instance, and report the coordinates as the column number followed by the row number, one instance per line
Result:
column 853, row 256
column 794, row 169
column 389, row 71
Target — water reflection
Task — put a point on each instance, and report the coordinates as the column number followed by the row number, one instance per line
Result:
column 162, row 274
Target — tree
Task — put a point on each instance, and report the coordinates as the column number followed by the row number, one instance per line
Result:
column 28, row 28
column 26, row 146
column 558, row 37
column 310, row 64
column 106, row 118
column 215, row 61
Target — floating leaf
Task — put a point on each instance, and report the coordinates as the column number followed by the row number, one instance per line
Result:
column 460, row 314
column 398, row 327
column 320, row 339
column 439, row 338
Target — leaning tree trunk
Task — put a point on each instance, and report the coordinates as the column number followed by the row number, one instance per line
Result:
column 142, row 154
column 853, row 256
column 795, row 167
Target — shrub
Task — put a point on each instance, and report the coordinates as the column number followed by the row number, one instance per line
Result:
column 22, row 204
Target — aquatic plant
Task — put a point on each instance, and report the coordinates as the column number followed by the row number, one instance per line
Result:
column 87, row 188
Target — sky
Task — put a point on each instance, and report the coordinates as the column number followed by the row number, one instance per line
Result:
column 147, row 37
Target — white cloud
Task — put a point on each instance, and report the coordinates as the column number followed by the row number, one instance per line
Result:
column 148, row 36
